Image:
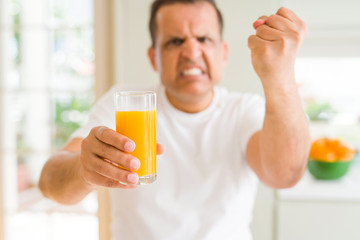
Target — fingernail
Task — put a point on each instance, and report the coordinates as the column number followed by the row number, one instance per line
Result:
column 133, row 178
column 134, row 164
column 258, row 23
column 129, row 146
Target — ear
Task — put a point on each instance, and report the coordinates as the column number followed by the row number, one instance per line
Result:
column 225, row 51
column 151, row 55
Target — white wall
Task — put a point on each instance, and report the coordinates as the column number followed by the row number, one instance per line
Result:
column 238, row 17
column 334, row 27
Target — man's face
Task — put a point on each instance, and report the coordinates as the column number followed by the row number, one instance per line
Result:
column 189, row 53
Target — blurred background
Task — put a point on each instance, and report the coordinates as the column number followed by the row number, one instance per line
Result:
column 50, row 49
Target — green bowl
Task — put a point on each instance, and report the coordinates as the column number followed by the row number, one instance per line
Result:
column 328, row 170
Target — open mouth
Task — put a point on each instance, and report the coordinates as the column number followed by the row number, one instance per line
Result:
column 192, row 72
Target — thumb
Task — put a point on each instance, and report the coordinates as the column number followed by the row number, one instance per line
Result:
column 260, row 21
column 160, row 149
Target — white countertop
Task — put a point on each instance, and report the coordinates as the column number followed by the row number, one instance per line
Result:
column 345, row 189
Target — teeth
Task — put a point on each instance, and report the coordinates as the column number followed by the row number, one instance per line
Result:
column 192, row 72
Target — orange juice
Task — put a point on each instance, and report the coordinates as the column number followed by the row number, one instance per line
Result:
column 140, row 127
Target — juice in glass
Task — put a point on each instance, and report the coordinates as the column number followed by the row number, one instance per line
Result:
column 139, row 126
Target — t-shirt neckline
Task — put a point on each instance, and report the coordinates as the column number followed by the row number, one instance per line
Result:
column 181, row 114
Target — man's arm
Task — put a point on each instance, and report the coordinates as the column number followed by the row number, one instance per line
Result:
column 61, row 177
column 100, row 159
column 278, row 153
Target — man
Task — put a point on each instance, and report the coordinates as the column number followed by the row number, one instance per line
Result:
column 217, row 143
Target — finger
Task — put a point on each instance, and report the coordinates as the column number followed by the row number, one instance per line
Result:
column 288, row 14
column 280, row 23
column 254, row 42
column 297, row 29
column 105, row 151
column 261, row 20
column 118, row 174
column 160, row 149
column 269, row 34
column 113, row 138
column 99, row 180
column 109, row 170
column 258, row 23
column 263, row 17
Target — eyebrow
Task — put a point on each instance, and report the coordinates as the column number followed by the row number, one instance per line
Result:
column 174, row 36
column 185, row 37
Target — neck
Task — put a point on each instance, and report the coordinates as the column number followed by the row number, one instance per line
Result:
column 193, row 104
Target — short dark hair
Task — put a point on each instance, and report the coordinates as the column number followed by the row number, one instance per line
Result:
column 157, row 4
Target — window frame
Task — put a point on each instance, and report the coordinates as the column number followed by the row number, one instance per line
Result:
column 104, row 78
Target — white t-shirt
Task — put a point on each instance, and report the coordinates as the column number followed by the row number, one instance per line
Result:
column 204, row 187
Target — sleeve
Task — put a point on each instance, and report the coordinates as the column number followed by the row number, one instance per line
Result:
column 251, row 118
column 101, row 114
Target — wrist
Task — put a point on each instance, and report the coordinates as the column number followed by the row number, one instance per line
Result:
column 284, row 96
column 280, row 89
column 83, row 181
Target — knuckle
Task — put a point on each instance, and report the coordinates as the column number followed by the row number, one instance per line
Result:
column 92, row 164
column 263, row 17
column 283, row 41
column 259, row 31
column 282, row 10
column 104, row 150
column 98, row 166
column 121, row 157
column 265, row 50
column 119, row 140
column 85, row 142
column 100, row 132
column 272, row 17
column 82, row 158
column 296, row 36
column 94, row 130
column 123, row 160
column 85, row 146
column 304, row 28
column 250, row 40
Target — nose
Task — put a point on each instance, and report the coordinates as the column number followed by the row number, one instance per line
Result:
column 191, row 49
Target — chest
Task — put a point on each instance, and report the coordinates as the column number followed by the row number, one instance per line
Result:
column 200, row 151
column 210, row 138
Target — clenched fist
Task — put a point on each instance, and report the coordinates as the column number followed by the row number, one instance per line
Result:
column 275, row 46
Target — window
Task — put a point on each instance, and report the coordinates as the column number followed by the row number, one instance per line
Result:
column 330, row 88
column 46, row 90
column 327, row 69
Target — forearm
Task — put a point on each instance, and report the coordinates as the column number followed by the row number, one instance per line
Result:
column 285, row 138
column 61, row 178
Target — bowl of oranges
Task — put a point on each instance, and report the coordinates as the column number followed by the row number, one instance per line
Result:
column 330, row 158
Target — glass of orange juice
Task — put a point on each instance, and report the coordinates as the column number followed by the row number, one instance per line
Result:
column 135, row 114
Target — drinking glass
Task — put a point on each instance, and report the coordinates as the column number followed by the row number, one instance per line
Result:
column 135, row 114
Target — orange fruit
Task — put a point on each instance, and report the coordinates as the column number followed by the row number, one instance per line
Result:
column 331, row 150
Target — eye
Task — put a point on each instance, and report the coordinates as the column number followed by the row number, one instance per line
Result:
column 176, row 41
column 203, row 39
